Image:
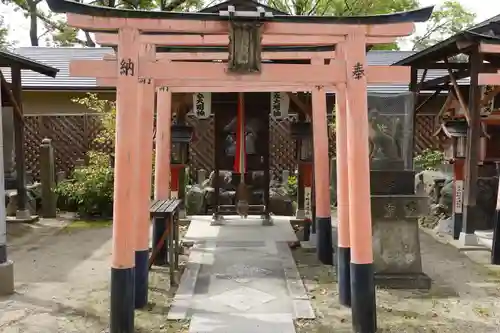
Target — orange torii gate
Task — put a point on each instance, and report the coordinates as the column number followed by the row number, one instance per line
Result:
column 137, row 70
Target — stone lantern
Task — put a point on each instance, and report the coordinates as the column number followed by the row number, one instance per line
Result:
column 302, row 133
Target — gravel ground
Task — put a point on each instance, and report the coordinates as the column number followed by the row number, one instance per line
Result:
column 62, row 285
column 62, row 278
column 464, row 297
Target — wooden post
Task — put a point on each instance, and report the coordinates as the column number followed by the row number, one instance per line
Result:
column 47, row 176
column 181, row 120
column 411, row 145
column 22, row 197
column 267, row 175
column 123, row 253
column 467, row 236
column 363, row 303
column 495, row 249
column 322, row 177
column 162, row 165
column 344, row 245
column 300, row 213
column 6, row 266
column 307, row 197
column 182, row 191
column 144, row 146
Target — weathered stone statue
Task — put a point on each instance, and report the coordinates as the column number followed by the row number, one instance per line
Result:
column 384, row 142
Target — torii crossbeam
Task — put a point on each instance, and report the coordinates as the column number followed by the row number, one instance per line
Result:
column 348, row 75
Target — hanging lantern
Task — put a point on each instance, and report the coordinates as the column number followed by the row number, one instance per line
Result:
column 181, row 136
column 202, row 105
column 303, row 133
column 280, row 103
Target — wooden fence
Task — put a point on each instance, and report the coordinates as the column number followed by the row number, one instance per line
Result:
column 74, row 135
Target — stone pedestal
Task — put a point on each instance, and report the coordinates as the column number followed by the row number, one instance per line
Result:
column 300, row 214
column 396, row 241
column 7, row 278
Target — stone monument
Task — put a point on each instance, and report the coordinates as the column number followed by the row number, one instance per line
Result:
column 8, row 147
column 395, row 206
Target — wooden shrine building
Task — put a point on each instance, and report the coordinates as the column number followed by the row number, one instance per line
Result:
column 469, row 119
column 12, row 97
column 12, row 132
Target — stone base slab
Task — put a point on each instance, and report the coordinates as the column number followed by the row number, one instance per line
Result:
column 403, row 281
column 7, row 278
column 27, row 219
column 468, row 239
column 308, row 246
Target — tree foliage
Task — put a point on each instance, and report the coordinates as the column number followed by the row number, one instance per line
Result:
column 447, row 20
column 107, row 112
column 5, row 43
column 44, row 26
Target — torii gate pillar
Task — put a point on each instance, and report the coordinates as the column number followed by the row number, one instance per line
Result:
column 145, row 122
column 123, row 252
column 323, row 217
column 364, row 318
column 162, row 164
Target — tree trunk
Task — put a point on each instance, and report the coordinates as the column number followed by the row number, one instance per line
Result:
column 33, row 22
column 89, row 42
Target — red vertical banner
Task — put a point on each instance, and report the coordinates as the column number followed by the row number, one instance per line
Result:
column 174, row 180
column 240, row 153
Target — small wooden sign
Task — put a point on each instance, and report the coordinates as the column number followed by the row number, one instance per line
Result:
column 202, row 105
column 245, row 46
column 280, row 103
column 174, row 195
column 308, row 202
column 459, row 193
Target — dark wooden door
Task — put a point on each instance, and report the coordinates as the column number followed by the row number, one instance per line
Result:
column 257, row 108
column 256, row 132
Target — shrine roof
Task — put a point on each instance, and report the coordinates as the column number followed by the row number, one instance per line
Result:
column 488, row 31
column 69, row 6
column 10, row 59
column 240, row 5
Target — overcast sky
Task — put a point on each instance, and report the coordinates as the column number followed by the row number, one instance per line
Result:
column 18, row 24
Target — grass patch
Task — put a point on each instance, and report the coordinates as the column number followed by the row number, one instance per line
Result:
column 89, row 224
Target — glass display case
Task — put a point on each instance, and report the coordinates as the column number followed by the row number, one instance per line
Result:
column 390, row 120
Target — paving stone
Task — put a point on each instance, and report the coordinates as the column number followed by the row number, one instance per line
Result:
column 242, row 323
column 243, row 298
column 246, row 279
column 250, row 230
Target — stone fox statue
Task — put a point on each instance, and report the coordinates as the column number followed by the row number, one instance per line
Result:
column 379, row 141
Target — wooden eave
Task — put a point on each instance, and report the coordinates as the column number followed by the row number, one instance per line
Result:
column 68, row 6
column 9, row 59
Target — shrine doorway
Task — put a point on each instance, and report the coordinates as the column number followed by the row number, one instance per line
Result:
column 256, row 108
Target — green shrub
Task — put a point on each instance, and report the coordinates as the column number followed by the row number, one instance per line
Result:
column 429, row 159
column 292, row 186
column 89, row 190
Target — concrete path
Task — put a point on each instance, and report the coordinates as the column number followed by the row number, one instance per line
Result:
column 241, row 278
